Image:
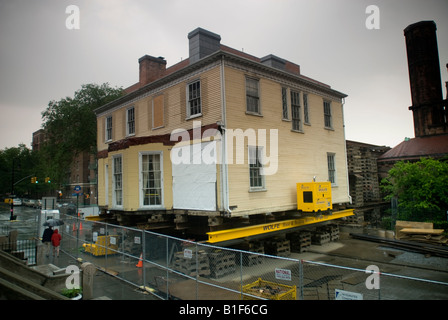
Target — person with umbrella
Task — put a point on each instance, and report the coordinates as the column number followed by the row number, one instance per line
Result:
column 53, row 223
column 46, row 239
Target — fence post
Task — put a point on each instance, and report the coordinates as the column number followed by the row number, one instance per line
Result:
column 167, row 268
column 197, row 271
column 77, row 234
column 241, row 275
column 300, row 285
column 107, row 245
column 379, row 289
column 143, row 258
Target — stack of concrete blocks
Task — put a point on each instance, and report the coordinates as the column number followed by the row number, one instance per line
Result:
column 279, row 247
column 357, row 219
column 300, row 241
column 197, row 264
column 333, row 230
column 323, row 288
column 222, row 262
column 325, row 234
column 320, row 236
column 250, row 259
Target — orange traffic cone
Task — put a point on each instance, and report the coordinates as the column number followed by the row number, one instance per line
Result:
column 140, row 262
column 74, row 227
column 80, row 225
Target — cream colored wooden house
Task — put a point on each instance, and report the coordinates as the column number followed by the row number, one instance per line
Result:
column 221, row 134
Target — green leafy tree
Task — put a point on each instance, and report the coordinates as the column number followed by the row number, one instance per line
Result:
column 70, row 126
column 17, row 165
column 421, row 185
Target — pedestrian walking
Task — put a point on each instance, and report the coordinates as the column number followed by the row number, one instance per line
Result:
column 46, row 240
column 56, row 241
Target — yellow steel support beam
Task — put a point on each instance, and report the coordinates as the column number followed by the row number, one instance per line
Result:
column 230, row 234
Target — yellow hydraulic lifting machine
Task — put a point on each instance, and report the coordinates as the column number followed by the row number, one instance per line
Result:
column 237, row 233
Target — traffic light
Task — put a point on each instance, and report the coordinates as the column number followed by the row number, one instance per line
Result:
column 33, row 179
column 47, row 180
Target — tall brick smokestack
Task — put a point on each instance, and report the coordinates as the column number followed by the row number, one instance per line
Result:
column 425, row 80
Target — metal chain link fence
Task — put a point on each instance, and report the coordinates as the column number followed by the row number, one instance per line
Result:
column 173, row 268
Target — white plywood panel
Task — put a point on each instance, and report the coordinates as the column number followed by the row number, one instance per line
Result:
column 194, row 177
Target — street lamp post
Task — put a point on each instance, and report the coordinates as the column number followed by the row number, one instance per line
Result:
column 11, row 218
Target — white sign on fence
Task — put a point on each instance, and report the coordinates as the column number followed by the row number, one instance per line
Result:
column 282, row 274
column 188, row 254
column 347, row 295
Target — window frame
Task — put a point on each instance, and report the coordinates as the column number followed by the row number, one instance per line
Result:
column 253, row 167
column 306, row 109
column 106, row 184
column 107, row 129
column 285, row 109
column 190, row 99
column 141, row 181
column 328, row 115
column 251, row 95
column 130, row 121
column 331, row 166
column 296, row 111
column 115, row 174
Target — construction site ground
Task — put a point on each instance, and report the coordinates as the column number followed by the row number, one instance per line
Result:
column 345, row 252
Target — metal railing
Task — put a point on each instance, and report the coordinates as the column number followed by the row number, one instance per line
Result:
column 173, row 268
column 23, row 249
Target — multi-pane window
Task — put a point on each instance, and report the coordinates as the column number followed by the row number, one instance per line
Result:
column 252, row 96
column 151, row 174
column 194, row 99
column 285, row 104
column 118, row 180
column 255, row 168
column 109, row 128
column 130, row 121
column 295, row 111
column 327, row 114
column 331, row 168
column 305, row 109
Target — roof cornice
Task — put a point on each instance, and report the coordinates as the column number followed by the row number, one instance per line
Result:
column 216, row 56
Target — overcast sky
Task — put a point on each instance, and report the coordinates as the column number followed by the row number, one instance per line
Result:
column 42, row 60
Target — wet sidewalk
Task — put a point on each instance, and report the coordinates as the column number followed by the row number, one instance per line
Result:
column 105, row 286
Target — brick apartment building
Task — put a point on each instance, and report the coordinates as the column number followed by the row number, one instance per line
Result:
column 82, row 172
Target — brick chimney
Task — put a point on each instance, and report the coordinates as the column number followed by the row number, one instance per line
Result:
column 151, row 69
column 202, row 43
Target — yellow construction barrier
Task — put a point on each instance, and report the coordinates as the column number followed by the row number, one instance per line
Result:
column 101, row 244
column 269, row 290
